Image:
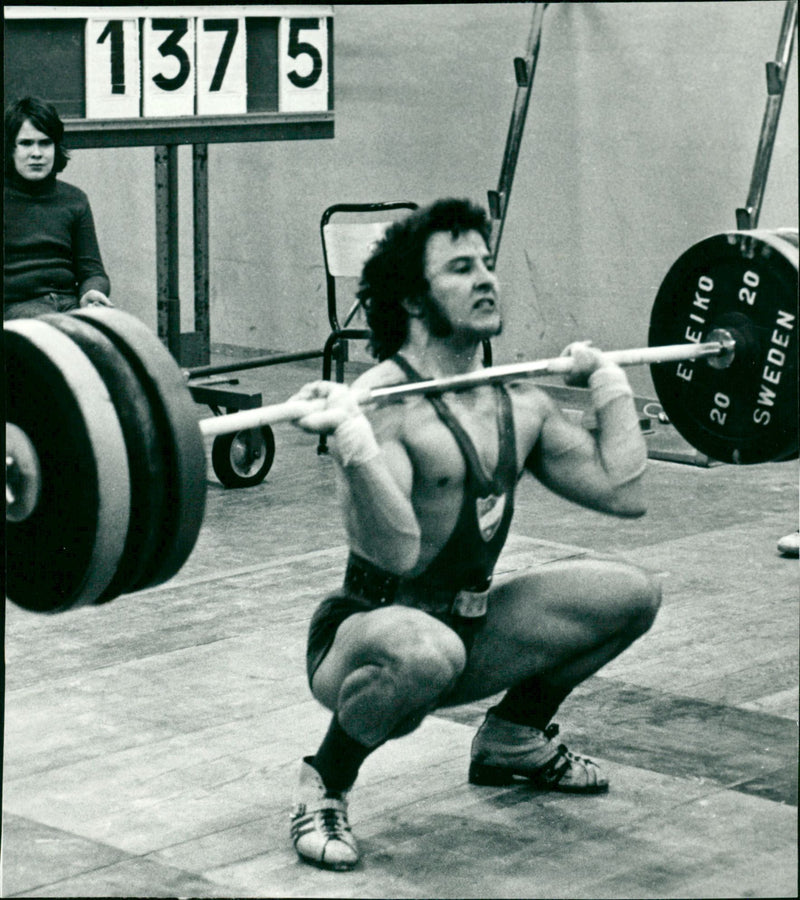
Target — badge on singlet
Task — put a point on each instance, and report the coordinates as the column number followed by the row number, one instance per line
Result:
column 490, row 513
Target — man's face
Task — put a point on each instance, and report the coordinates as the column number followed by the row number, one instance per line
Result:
column 34, row 153
column 463, row 296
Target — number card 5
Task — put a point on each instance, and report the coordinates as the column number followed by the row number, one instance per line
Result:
column 112, row 69
column 221, row 66
column 303, row 65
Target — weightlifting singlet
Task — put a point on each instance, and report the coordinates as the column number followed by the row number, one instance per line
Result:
column 465, row 563
column 468, row 558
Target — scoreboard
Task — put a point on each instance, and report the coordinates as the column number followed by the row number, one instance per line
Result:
column 150, row 75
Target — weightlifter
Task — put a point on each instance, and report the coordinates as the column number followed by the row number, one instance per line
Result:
column 428, row 494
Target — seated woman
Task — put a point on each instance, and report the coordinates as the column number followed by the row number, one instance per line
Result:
column 52, row 260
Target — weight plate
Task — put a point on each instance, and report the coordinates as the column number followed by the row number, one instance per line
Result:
column 182, row 449
column 745, row 282
column 145, row 457
column 65, row 553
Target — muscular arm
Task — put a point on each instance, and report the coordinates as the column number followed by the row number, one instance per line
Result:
column 601, row 470
column 380, row 519
column 375, row 477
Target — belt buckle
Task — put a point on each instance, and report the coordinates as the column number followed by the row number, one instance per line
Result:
column 471, row 604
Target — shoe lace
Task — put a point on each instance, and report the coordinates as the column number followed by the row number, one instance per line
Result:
column 556, row 768
column 333, row 821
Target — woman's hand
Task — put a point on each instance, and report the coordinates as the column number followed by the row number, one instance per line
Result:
column 94, row 297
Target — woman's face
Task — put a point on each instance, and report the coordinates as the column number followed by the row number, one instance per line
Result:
column 34, row 153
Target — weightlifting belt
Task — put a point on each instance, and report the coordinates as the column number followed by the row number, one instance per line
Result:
column 382, row 588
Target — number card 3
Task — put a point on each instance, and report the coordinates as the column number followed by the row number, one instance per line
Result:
column 221, row 66
column 112, row 69
column 303, row 65
column 168, row 62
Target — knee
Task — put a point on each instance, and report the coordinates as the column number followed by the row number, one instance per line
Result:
column 424, row 660
column 645, row 601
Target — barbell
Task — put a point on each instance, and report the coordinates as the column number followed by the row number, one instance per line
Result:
column 105, row 458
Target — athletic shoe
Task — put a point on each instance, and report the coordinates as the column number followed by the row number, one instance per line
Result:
column 790, row 545
column 320, row 832
column 502, row 750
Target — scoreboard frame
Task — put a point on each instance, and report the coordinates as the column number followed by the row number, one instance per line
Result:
column 279, row 59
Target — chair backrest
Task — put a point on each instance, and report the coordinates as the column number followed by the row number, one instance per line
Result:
column 349, row 234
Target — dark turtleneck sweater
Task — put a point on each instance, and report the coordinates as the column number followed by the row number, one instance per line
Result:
column 49, row 241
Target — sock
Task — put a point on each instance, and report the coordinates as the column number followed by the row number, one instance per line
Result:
column 339, row 758
column 531, row 702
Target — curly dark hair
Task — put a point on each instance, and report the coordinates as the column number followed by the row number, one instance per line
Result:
column 45, row 118
column 396, row 269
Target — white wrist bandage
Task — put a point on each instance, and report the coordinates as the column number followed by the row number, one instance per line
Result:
column 353, row 442
column 621, row 443
column 608, row 383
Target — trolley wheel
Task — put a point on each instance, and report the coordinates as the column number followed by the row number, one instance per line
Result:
column 242, row 459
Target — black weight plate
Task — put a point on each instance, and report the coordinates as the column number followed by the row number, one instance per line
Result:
column 182, row 447
column 66, row 552
column 145, row 459
column 791, row 235
column 745, row 282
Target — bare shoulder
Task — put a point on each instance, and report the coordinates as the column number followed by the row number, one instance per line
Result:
column 529, row 399
column 390, row 420
column 380, row 375
column 531, row 406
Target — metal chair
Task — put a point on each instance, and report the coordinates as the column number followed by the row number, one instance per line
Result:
column 349, row 232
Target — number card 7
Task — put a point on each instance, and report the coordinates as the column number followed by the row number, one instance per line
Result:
column 221, row 66
column 112, row 69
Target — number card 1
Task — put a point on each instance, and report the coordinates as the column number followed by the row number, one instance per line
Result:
column 221, row 66
column 168, row 63
column 112, row 69
column 303, row 65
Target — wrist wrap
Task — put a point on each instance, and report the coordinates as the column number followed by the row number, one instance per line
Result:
column 622, row 446
column 607, row 383
column 353, row 442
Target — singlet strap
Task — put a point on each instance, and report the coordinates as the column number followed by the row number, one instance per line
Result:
column 505, row 471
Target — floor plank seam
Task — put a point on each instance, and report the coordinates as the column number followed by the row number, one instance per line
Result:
column 282, row 562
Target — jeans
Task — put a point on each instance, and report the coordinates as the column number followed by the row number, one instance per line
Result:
column 39, row 306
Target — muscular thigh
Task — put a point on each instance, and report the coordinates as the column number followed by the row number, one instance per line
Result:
column 378, row 638
column 543, row 619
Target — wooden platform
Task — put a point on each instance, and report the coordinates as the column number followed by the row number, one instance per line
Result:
column 152, row 745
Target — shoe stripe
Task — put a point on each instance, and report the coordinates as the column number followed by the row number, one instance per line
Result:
column 333, row 830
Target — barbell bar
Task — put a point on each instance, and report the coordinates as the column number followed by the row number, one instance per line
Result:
column 106, row 466
column 722, row 346
column 152, row 535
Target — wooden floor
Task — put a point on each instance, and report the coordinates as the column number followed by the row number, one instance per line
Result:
column 152, row 745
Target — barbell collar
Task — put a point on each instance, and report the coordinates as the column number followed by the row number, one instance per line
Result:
column 728, row 342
